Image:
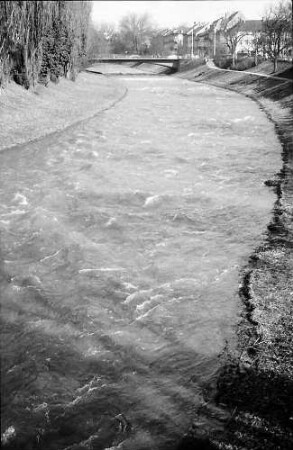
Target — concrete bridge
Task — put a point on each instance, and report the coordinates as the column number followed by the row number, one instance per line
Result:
column 169, row 62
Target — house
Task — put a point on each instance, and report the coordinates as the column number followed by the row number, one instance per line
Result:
column 252, row 33
column 217, row 38
column 209, row 39
column 168, row 42
column 202, row 42
column 228, row 34
column 171, row 41
column 192, row 40
column 175, row 41
column 233, row 20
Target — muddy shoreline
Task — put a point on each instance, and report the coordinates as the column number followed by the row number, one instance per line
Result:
column 250, row 407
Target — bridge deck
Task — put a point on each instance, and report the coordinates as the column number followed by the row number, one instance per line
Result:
column 142, row 60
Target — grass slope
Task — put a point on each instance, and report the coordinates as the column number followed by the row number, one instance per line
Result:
column 30, row 114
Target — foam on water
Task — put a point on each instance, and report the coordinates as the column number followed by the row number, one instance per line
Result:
column 20, row 198
column 103, row 269
column 153, row 200
column 15, row 212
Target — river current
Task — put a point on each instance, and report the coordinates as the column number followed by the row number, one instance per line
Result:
column 122, row 240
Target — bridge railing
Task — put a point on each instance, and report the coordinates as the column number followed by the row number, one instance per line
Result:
column 173, row 63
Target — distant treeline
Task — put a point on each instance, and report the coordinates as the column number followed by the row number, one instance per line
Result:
column 42, row 40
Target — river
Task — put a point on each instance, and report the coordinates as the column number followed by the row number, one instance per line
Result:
column 122, row 240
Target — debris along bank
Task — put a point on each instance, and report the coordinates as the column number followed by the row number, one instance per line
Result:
column 252, row 403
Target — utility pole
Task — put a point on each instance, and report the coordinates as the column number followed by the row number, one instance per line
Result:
column 217, row 28
column 215, row 42
column 192, row 41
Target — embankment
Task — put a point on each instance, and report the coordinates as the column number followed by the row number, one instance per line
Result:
column 252, row 405
column 29, row 115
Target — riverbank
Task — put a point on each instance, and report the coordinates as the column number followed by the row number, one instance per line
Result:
column 251, row 406
column 27, row 115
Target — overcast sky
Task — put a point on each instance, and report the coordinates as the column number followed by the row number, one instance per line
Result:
column 177, row 12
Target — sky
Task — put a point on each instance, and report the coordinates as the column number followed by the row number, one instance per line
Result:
column 177, row 12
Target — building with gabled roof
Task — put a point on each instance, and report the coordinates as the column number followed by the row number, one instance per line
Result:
column 192, row 39
column 211, row 39
column 252, row 30
column 231, row 21
column 173, row 41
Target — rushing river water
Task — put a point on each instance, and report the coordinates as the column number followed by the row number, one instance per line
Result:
column 122, row 240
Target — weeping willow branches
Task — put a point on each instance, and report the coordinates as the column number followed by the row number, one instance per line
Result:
column 42, row 39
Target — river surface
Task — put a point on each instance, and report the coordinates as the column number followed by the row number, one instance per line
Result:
column 122, row 240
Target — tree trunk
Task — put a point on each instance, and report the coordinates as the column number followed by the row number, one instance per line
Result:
column 255, row 58
column 136, row 45
column 26, row 82
column 275, row 64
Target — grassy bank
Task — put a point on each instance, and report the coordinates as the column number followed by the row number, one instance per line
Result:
column 30, row 114
column 252, row 405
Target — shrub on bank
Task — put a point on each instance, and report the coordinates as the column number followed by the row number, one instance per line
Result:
column 244, row 63
column 223, row 62
column 189, row 64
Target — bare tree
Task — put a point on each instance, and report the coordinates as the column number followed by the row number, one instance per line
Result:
column 135, row 31
column 253, row 43
column 157, row 44
column 101, row 40
column 277, row 24
column 231, row 28
column 257, row 42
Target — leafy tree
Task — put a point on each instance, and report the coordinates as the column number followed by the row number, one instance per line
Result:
column 57, row 47
column 277, row 24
